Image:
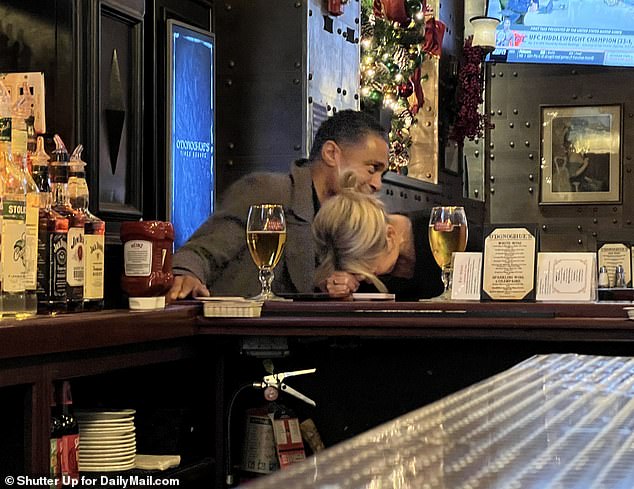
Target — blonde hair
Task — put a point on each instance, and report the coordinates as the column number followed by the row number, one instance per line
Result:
column 350, row 232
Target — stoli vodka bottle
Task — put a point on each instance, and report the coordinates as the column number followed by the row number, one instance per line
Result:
column 13, row 229
column 19, row 113
column 94, row 233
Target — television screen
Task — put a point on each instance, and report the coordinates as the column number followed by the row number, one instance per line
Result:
column 584, row 32
column 190, row 128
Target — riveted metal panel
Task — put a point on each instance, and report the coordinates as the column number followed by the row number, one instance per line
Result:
column 513, row 152
column 280, row 73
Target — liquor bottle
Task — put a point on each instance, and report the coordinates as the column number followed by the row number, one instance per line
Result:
column 94, row 233
column 13, row 230
column 59, row 170
column 52, row 241
column 68, row 448
column 55, row 442
column 19, row 113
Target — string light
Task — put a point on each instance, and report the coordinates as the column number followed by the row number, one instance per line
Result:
column 391, row 53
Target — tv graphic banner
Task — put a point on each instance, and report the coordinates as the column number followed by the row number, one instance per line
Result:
column 589, row 32
column 192, row 118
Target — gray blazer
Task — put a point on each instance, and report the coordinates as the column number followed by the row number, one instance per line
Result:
column 217, row 252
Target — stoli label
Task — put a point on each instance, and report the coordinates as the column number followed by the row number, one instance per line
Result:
column 137, row 257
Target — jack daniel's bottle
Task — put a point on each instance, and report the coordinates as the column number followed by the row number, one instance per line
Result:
column 94, row 233
column 51, row 241
column 60, row 173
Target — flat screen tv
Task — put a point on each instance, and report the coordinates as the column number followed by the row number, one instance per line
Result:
column 190, row 128
column 583, row 32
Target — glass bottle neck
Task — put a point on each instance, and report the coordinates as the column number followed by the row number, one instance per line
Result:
column 78, row 192
column 59, row 194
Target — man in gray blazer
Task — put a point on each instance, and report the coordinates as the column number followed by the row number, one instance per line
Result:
column 216, row 257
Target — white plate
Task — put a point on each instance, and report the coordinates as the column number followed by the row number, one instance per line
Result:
column 107, row 436
column 105, row 423
column 106, row 429
column 111, row 450
column 109, row 459
column 105, row 468
column 106, row 414
column 97, row 443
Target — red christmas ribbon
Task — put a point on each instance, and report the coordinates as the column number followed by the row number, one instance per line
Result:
column 434, row 33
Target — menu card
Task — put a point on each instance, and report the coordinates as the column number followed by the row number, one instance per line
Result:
column 613, row 254
column 467, row 276
column 509, row 264
column 566, row 277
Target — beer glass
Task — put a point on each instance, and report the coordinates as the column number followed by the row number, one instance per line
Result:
column 266, row 237
column 447, row 234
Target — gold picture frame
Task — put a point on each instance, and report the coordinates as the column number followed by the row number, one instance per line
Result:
column 581, row 154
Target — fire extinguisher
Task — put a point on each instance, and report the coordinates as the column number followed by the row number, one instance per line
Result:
column 272, row 435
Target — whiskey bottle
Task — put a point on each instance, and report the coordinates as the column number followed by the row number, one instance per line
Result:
column 52, row 241
column 13, row 229
column 19, row 113
column 94, row 233
column 59, row 170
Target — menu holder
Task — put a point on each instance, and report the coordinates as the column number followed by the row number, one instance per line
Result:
column 467, row 276
column 612, row 254
column 566, row 277
column 509, row 264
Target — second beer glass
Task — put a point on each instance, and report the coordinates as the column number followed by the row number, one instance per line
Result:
column 266, row 237
column 447, row 234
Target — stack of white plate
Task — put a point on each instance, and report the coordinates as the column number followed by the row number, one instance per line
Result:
column 107, row 441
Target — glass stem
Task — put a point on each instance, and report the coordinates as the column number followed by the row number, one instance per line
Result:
column 266, row 279
column 446, row 278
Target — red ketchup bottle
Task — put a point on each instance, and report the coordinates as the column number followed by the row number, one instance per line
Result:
column 147, row 256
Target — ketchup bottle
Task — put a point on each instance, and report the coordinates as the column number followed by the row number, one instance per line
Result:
column 147, row 255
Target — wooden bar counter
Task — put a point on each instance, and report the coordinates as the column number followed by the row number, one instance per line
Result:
column 135, row 359
column 493, row 320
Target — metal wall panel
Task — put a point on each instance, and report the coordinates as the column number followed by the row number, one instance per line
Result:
column 513, row 152
column 279, row 69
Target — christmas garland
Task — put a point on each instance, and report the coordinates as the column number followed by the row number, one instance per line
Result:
column 470, row 122
column 396, row 35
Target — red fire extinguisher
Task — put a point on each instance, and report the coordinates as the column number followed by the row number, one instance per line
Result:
column 273, row 437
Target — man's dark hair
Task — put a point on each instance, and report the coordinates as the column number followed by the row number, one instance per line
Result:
column 345, row 126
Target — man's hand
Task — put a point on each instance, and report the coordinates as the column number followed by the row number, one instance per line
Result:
column 185, row 285
column 340, row 285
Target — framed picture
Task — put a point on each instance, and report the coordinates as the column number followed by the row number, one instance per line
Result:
column 581, row 154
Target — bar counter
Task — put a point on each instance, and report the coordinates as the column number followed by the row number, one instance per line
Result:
column 553, row 421
column 429, row 319
column 493, row 320
column 446, row 346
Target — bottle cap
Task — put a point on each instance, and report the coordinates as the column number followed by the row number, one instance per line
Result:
column 60, row 153
column 40, row 157
column 76, row 163
column 59, row 161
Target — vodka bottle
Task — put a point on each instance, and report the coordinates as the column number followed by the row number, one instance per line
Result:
column 19, row 113
column 13, row 230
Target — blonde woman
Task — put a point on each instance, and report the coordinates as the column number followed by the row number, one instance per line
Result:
column 357, row 242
